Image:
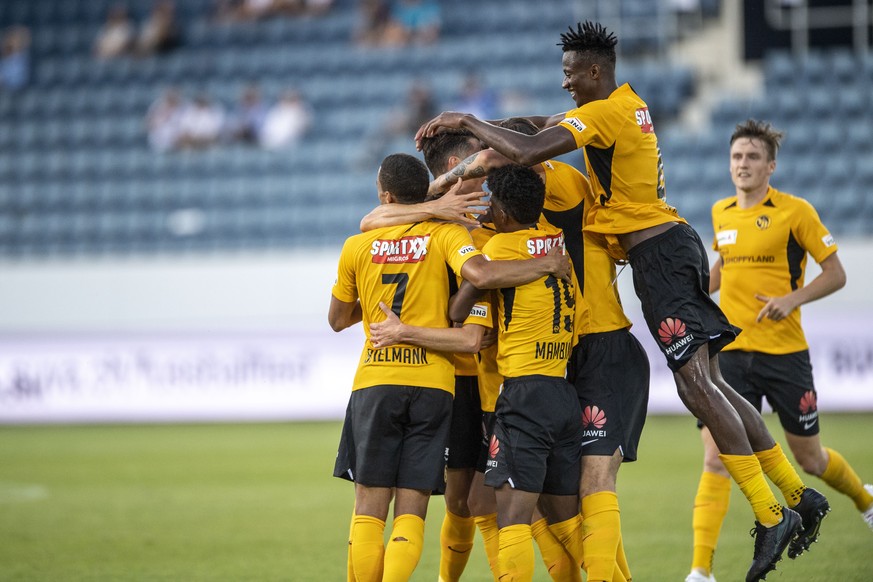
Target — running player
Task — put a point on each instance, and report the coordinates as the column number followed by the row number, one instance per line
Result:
column 763, row 237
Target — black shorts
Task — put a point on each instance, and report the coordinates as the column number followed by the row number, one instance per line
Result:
column 671, row 278
column 466, row 431
column 611, row 375
column 536, row 445
column 395, row 436
column 784, row 379
column 486, row 429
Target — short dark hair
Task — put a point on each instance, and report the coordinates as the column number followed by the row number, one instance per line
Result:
column 519, row 190
column 761, row 130
column 521, row 125
column 405, row 177
column 438, row 149
column 590, row 37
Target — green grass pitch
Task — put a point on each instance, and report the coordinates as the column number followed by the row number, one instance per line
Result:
column 257, row 502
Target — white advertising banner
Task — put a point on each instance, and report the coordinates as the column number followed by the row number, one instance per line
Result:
column 306, row 374
column 239, row 377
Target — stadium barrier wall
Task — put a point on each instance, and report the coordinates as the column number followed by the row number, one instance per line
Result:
column 246, row 338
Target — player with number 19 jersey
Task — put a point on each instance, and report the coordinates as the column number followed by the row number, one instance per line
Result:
column 529, row 343
column 404, row 267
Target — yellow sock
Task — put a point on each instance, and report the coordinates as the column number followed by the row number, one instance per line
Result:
column 746, row 471
column 487, row 525
column 779, row 469
column 559, row 564
column 404, row 548
column 601, row 531
column 569, row 533
column 456, row 541
column 621, row 563
column 350, row 568
column 515, row 558
column 840, row 475
column 710, row 508
column 368, row 548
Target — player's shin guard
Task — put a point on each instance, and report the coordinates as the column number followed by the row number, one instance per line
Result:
column 780, row 470
column 746, row 471
column 515, row 559
column 367, row 548
column 404, row 548
column 601, row 527
column 569, row 533
column 710, row 508
column 487, row 525
column 456, row 541
column 840, row 475
column 559, row 564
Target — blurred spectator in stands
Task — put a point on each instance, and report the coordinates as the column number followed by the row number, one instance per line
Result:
column 317, row 7
column 201, row 123
column 246, row 120
column 247, row 10
column 159, row 32
column 286, row 121
column 476, row 98
column 413, row 22
column 116, row 37
column 403, row 121
column 15, row 58
column 373, row 19
column 164, row 120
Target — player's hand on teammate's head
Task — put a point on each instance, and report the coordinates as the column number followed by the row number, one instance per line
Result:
column 386, row 333
column 455, row 207
column 446, row 119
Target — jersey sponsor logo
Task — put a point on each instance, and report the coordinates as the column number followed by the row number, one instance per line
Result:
column 675, row 337
column 409, row 249
column 726, row 237
column 541, row 245
column 593, row 416
column 808, row 402
column 493, row 449
column 466, row 250
column 397, row 355
column 644, row 120
column 763, row 222
column 553, row 350
column 479, row 311
column 749, row 259
column 575, row 123
column 828, row 240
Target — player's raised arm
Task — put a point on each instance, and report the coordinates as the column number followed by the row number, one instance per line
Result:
column 486, row 274
column 452, row 207
column 521, row 149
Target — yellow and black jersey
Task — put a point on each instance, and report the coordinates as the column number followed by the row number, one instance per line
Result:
column 466, row 364
column 406, row 268
column 538, row 322
column 568, row 198
column 763, row 251
column 489, row 376
column 624, row 165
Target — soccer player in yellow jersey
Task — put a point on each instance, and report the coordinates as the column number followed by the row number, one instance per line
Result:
column 396, row 426
column 763, row 237
column 536, row 444
column 670, row 267
column 609, row 367
column 465, row 436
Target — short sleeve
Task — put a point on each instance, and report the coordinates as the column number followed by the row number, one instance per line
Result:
column 812, row 235
column 345, row 286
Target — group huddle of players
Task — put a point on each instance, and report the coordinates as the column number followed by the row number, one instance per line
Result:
column 499, row 368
